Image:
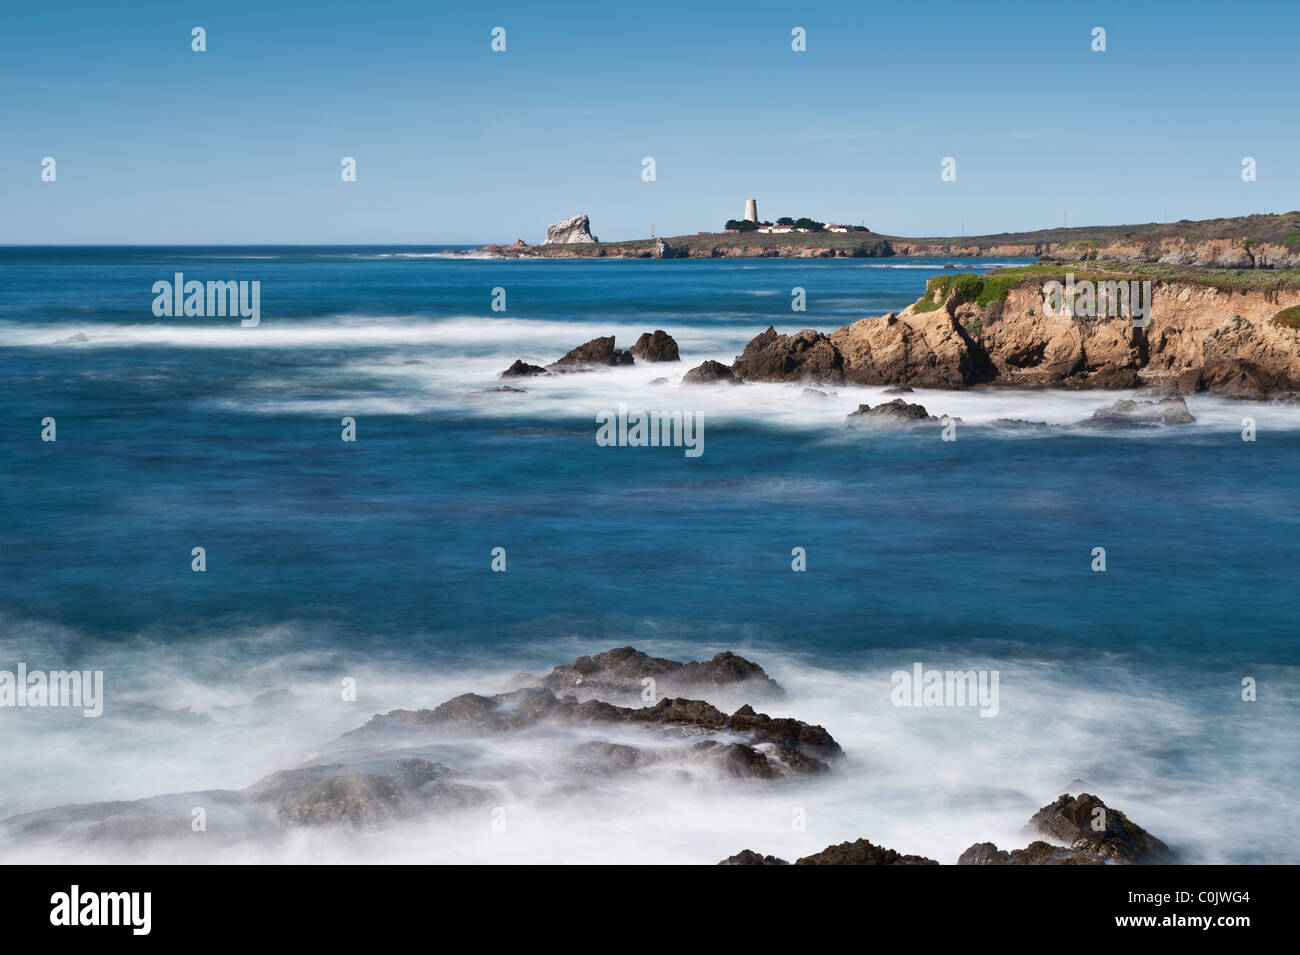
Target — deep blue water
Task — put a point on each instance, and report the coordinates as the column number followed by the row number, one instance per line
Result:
column 386, row 541
column 326, row 557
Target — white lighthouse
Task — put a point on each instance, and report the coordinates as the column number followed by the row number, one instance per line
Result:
column 751, row 210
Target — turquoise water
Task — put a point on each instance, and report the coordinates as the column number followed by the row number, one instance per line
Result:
column 182, row 432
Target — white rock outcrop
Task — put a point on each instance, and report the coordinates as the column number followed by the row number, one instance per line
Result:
column 569, row 231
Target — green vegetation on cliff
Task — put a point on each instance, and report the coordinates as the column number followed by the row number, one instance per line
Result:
column 984, row 290
column 1288, row 317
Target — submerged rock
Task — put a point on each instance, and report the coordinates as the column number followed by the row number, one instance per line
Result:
column 334, row 795
column 1127, row 413
column 891, row 414
column 499, row 390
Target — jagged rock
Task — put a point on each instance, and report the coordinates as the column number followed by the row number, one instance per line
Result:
column 659, row 381
column 710, row 373
column 1036, row 853
column 862, row 852
column 984, row 853
column 1127, row 413
column 814, row 393
column 575, row 229
column 597, row 352
column 1234, row 378
column 1071, row 820
column 896, row 413
column 807, row 356
column 898, row 390
column 750, row 857
column 521, row 369
column 795, row 747
column 618, row 674
column 923, row 350
column 331, row 794
column 658, row 346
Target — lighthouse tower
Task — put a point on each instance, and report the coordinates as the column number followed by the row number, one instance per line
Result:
column 751, row 210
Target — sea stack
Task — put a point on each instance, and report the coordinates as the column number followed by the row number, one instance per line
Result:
column 575, row 229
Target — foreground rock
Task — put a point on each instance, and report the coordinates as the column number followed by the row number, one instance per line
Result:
column 789, row 746
column 750, row 857
column 571, row 231
column 474, row 752
column 1068, row 823
column 596, row 353
column 1071, row 820
column 860, row 852
column 655, row 346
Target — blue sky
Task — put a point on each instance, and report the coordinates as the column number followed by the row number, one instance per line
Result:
column 454, row 143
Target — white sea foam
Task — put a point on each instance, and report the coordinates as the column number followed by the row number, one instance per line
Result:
column 416, row 365
column 928, row 781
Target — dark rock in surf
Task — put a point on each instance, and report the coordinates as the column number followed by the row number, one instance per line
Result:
column 655, row 346
column 598, row 352
column 710, row 373
column 521, row 369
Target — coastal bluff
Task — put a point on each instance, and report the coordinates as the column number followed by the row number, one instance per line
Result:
column 1204, row 335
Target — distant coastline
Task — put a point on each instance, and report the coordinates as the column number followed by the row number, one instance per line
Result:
column 1260, row 241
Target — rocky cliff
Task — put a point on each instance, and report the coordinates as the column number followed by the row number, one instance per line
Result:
column 981, row 330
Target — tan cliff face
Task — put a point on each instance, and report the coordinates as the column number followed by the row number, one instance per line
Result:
column 1202, row 253
column 1199, row 338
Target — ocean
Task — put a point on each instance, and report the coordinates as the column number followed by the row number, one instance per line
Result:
column 371, row 560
